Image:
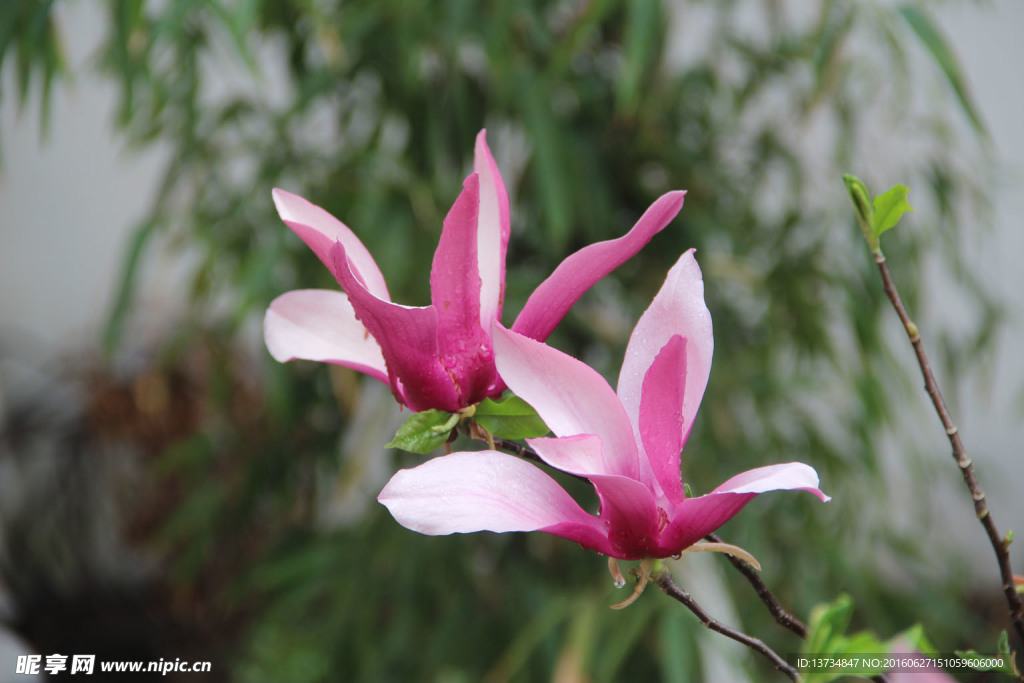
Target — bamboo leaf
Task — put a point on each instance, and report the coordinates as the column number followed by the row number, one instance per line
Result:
column 929, row 34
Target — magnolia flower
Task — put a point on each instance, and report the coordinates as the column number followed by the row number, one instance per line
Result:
column 627, row 444
column 437, row 356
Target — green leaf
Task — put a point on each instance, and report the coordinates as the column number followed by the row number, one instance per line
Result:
column 127, row 282
column 876, row 217
column 985, row 662
column 423, row 432
column 928, row 33
column 510, row 418
column 888, row 209
column 826, row 637
column 916, row 639
column 548, row 169
column 862, row 207
column 639, row 51
column 827, row 624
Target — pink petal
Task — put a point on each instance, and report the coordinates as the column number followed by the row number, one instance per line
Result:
column 790, row 475
column 570, row 397
column 408, row 339
column 581, row 455
column 464, row 347
column 575, row 275
column 487, row 491
column 695, row 518
column 320, row 230
column 677, row 309
column 629, row 509
column 661, row 416
column 320, row 325
column 492, row 232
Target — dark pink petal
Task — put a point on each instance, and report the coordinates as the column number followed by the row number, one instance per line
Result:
column 320, row 230
column 695, row 518
column 570, row 397
column 661, row 416
column 408, row 339
column 320, row 325
column 631, row 513
column 492, row 232
column 464, row 347
column 677, row 309
column 628, row 507
column 575, row 275
column 487, row 491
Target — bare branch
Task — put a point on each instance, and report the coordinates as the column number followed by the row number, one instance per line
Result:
column 665, row 582
column 981, row 508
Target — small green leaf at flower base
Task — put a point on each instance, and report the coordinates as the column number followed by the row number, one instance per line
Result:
column 510, row 418
column 423, row 432
column 888, row 209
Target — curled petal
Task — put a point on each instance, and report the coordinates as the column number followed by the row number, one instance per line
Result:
column 492, row 232
column 320, row 230
column 790, row 475
column 569, row 396
column 677, row 309
column 320, row 325
column 575, row 275
column 408, row 339
column 486, row 491
column 695, row 518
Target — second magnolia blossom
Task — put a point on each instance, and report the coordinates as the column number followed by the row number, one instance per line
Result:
column 437, row 356
column 626, row 443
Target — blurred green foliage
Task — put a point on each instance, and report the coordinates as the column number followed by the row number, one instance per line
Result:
column 593, row 109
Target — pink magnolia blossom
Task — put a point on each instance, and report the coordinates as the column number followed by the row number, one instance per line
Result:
column 441, row 355
column 627, row 444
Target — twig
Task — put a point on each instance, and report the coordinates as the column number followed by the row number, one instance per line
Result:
column 981, row 508
column 664, row 581
column 783, row 617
